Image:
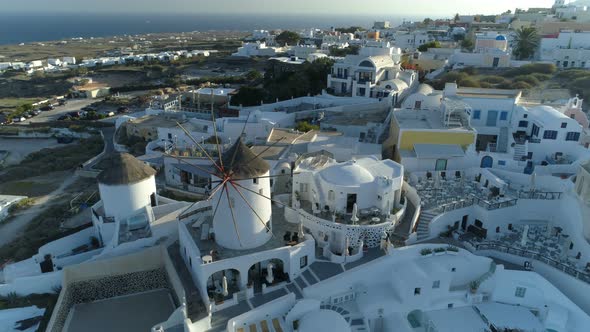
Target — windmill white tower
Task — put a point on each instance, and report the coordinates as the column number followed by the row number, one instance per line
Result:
column 242, row 215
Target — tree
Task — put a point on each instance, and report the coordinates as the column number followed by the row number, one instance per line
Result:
column 342, row 52
column 425, row 47
column 467, row 44
column 427, row 21
column 287, row 38
column 304, row 126
column 248, row 96
column 253, row 75
column 526, row 40
column 351, row 29
column 457, row 18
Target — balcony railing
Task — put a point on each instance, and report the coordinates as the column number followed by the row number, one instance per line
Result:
column 564, row 267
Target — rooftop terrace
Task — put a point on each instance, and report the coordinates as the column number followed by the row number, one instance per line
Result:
column 423, row 119
column 207, row 245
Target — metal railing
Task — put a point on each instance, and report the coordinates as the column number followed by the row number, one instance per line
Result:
column 545, row 195
column 566, row 268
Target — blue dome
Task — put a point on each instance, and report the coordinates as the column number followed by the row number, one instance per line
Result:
column 500, row 37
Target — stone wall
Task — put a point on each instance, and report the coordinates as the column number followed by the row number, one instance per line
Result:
column 103, row 288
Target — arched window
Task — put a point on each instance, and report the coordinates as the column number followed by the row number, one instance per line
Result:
column 366, row 63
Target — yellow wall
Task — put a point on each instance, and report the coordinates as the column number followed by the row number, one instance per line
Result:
column 409, row 138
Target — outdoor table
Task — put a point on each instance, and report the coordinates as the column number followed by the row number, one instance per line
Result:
column 376, row 219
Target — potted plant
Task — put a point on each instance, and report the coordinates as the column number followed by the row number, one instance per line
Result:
column 426, row 252
column 439, row 251
column 473, row 286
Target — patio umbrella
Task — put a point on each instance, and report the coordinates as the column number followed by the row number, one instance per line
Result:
column 346, row 245
column 436, row 180
column 225, row 290
column 301, row 234
column 334, row 216
column 269, row 276
column 354, row 218
column 533, row 180
column 388, row 208
column 525, row 234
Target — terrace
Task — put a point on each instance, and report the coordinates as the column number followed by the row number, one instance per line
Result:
column 202, row 234
column 445, row 191
column 369, row 216
column 539, row 241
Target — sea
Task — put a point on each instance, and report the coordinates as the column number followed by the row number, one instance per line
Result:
column 25, row 28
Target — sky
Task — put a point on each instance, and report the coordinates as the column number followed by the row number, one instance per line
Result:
column 377, row 8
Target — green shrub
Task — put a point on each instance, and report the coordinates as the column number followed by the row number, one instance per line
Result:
column 520, row 86
column 542, row 77
column 529, row 79
column 469, row 70
column 543, row 68
column 425, row 251
column 486, row 85
column 572, row 74
column 493, row 79
column 452, row 248
column 453, row 76
column 439, row 249
column 468, row 83
column 304, row 126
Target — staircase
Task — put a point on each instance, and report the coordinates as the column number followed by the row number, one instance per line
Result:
column 357, row 323
column 194, row 305
column 520, row 151
column 479, row 280
column 423, row 229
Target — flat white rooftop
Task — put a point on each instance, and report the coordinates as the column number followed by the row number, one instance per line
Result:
column 423, row 119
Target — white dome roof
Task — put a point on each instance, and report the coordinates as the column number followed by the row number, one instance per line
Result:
column 323, row 320
column 346, row 174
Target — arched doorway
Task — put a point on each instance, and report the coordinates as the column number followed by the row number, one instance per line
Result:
column 487, row 162
column 415, row 318
column 220, row 290
column 258, row 274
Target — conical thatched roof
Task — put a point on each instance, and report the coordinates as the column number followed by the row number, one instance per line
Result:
column 242, row 163
column 123, row 168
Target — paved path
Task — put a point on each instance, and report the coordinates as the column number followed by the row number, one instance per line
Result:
column 107, row 133
column 17, row 224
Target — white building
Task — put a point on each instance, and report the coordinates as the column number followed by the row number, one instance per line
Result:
column 346, row 206
column 255, row 49
column 409, row 290
column 552, row 136
column 375, row 72
column 254, row 126
column 410, row 41
column 490, row 40
column 128, row 194
column 337, row 187
column 569, row 49
column 230, row 242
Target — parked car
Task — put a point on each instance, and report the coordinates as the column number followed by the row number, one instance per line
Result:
column 74, row 114
column 47, row 108
column 122, row 109
column 62, row 102
column 37, row 112
column 64, row 118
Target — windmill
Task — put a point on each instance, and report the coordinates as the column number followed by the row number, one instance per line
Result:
column 240, row 192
